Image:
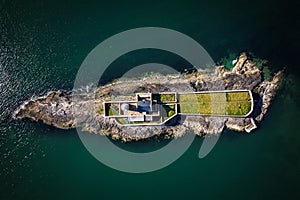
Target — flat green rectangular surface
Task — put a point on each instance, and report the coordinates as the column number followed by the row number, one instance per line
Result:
column 216, row 103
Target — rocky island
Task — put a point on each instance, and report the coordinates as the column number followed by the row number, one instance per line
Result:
column 92, row 111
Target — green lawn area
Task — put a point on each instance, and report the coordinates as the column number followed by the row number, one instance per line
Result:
column 199, row 97
column 238, row 108
column 237, row 96
column 164, row 97
column 168, row 111
column 229, row 103
column 112, row 112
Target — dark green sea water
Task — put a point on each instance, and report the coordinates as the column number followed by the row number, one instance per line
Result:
column 43, row 44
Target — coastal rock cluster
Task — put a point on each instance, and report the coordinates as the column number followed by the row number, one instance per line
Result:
column 65, row 109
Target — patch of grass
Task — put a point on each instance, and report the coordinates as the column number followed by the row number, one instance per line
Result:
column 245, row 107
column 230, row 103
column 168, row 111
column 186, row 98
column 171, row 113
column 164, row 97
column 238, row 108
column 202, row 97
column 194, row 98
column 112, row 112
column 167, row 97
column 237, row 96
column 189, row 108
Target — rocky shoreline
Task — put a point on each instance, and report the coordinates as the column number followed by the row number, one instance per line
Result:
column 66, row 109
